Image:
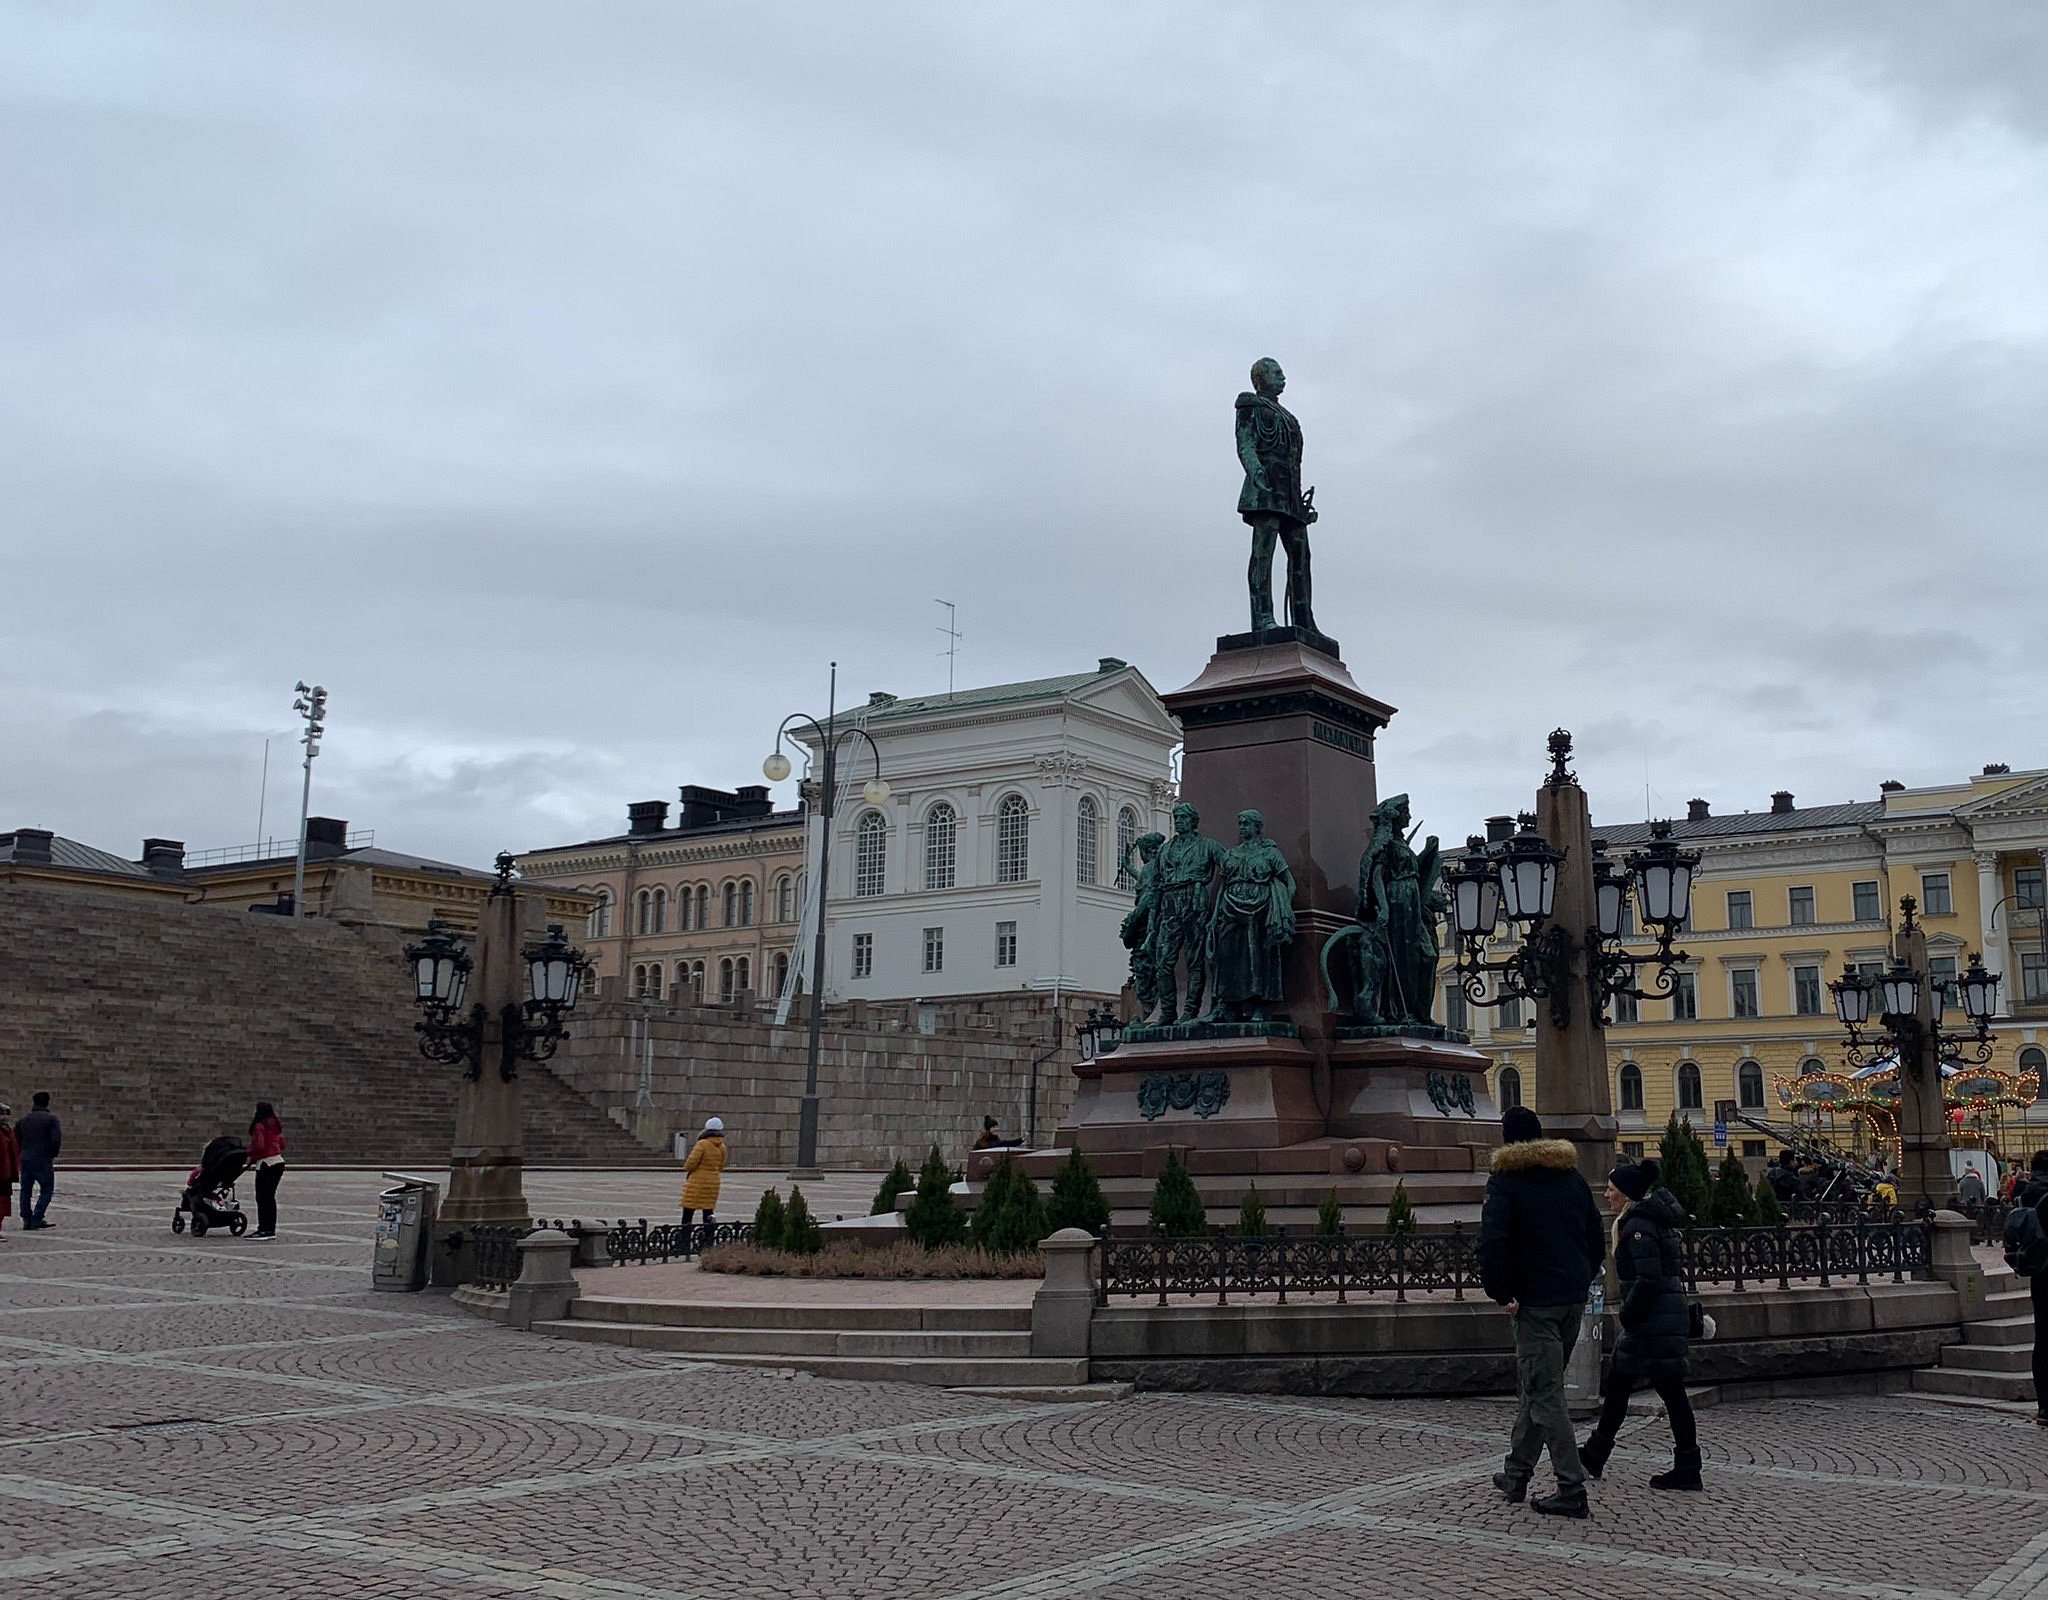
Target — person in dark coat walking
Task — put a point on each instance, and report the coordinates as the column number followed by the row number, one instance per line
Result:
column 2032, row 1192
column 41, row 1138
column 1540, row 1247
column 1656, row 1322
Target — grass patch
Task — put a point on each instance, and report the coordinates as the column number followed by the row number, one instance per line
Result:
column 900, row 1261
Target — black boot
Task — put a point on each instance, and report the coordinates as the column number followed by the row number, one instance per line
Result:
column 1593, row 1454
column 1565, row 1503
column 1511, row 1488
column 1684, row 1473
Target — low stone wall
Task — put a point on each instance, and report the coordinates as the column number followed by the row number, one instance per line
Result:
column 893, row 1080
column 1466, row 1347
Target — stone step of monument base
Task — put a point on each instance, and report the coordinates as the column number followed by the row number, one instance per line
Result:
column 947, row 1361
column 1988, row 1357
column 868, row 1318
column 2008, row 1386
column 2003, row 1331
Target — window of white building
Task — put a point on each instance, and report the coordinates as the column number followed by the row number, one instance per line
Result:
column 941, row 846
column 1087, row 845
column 1126, row 846
column 935, row 949
column 1006, row 944
column 863, row 955
column 870, row 852
column 1013, row 840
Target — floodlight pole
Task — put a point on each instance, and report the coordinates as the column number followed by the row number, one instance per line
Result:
column 312, row 705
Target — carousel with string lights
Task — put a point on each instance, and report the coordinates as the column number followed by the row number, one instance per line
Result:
column 1858, row 1110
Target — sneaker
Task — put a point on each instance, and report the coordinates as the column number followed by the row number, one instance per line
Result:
column 1512, row 1489
column 1565, row 1503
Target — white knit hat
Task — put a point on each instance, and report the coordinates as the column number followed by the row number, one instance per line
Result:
column 714, row 1124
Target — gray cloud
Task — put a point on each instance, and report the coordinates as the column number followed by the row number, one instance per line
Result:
column 563, row 389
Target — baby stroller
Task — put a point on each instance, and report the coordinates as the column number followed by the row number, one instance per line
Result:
column 209, row 1195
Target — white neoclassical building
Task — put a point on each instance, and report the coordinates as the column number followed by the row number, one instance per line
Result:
column 995, row 864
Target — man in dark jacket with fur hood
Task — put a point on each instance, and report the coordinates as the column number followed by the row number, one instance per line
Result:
column 1541, row 1244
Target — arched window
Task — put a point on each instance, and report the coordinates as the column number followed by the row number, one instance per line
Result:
column 785, row 898
column 1631, row 1087
column 643, row 912
column 660, row 911
column 941, row 846
column 686, row 908
column 870, row 850
column 1749, row 1086
column 654, row 970
column 1087, row 849
column 1507, row 1090
column 2035, row 1060
column 1126, row 845
column 743, row 974
column 600, row 924
column 703, row 905
column 1812, row 1067
column 747, row 903
column 697, row 981
column 639, row 980
column 781, row 970
column 732, row 904
column 1013, row 840
column 1689, row 1093
column 725, row 981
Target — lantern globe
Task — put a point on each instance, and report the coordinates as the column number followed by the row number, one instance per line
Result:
column 1528, row 875
column 776, row 767
column 1901, row 990
column 1979, row 991
column 1852, row 998
column 875, row 792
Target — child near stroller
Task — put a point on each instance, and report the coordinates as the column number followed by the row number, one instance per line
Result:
column 209, row 1196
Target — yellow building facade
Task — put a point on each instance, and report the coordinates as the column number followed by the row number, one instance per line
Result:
column 1783, row 900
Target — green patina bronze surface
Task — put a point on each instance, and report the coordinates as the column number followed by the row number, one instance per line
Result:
column 1251, row 926
column 1382, row 969
column 1137, row 925
column 1204, row 1093
column 1272, row 500
column 1400, row 1030
column 1178, row 920
column 1183, row 1032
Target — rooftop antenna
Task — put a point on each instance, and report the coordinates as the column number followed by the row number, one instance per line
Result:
column 953, row 638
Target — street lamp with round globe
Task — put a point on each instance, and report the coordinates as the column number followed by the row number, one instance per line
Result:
column 776, row 767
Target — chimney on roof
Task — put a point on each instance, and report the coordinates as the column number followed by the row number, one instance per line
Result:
column 32, row 846
column 881, row 697
column 1995, row 769
column 1781, row 801
column 1890, row 786
column 1499, row 828
column 1697, row 811
column 646, row 816
column 326, row 838
column 1111, row 664
column 164, row 858
column 752, row 800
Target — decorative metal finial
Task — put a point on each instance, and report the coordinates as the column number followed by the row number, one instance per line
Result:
column 504, row 871
column 1908, row 905
column 1560, row 754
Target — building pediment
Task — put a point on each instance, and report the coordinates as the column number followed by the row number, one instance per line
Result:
column 2027, row 799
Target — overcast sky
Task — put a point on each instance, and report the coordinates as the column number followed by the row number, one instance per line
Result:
column 563, row 386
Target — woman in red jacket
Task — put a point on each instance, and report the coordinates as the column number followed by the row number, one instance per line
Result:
column 10, row 1162
column 266, row 1154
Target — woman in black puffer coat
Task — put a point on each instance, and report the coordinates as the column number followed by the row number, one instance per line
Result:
column 1655, row 1321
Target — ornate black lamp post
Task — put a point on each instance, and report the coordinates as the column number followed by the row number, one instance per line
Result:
column 1517, row 880
column 1100, row 1030
column 775, row 769
column 1909, row 1003
column 527, row 1031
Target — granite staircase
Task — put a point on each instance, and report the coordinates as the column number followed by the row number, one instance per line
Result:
column 1994, row 1361
column 954, row 1347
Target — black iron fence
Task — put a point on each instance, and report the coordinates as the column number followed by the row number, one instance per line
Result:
column 1402, row 1264
column 637, row 1243
column 494, row 1256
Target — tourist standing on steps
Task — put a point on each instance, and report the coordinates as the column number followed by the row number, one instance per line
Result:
column 41, row 1138
column 705, row 1167
column 266, row 1154
column 10, row 1162
column 1541, row 1245
column 1656, row 1322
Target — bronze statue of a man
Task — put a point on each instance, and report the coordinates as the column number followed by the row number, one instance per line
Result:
column 1269, row 445
column 1186, row 866
column 1252, row 925
column 1137, row 925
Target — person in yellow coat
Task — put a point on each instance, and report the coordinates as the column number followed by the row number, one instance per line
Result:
column 705, row 1166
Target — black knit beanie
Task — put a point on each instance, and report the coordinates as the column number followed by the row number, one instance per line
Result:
column 1519, row 1126
column 1635, row 1178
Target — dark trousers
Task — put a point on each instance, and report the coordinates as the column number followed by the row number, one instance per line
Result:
column 2039, row 1289
column 703, row 1240
column 1623, row 1381
column 267, row 1180
column 1544, row 1336
column 32, row 1174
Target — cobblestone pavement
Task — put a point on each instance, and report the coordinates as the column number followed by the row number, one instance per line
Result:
column 182, row 1418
